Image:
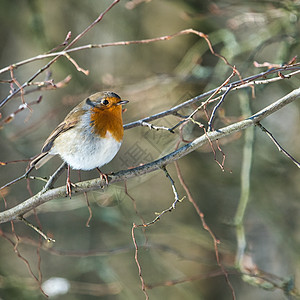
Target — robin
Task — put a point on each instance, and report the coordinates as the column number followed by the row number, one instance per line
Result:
column 89, row 137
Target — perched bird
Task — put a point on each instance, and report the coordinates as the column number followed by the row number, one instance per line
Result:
column 89, row 137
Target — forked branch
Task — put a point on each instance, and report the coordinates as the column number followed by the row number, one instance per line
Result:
column 94, row 184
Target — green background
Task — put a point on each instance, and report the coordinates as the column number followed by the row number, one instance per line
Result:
column 98, row 261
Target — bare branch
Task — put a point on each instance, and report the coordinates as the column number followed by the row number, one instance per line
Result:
column 40, row 232
column 18, row 253
column 67, row 49
column 20, row 108
column 173, row 187
column 278, row 145
column 86, row 186
column 25, row 84
column 17, row 179
column 206, row 227
column 151, row 126
column 197, row 277
column 244, row 83
column 210, row 122
column 137, row 261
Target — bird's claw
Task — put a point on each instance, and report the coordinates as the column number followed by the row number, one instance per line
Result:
column 69, row 186
column 103, row 176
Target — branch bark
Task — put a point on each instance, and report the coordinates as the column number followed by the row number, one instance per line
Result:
column 94, row 184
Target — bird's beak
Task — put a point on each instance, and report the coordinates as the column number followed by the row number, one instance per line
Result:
column 122, row 102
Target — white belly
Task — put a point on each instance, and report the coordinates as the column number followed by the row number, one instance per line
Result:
column 87, row 151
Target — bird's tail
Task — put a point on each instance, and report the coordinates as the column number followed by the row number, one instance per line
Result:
column 40, row 160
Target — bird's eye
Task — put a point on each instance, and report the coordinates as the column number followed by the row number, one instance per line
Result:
column 105, row 102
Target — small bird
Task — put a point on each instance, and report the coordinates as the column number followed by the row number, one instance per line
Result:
column 89, row 137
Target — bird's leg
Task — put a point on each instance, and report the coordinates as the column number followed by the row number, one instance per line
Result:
column 103, row 176
column 69, row 184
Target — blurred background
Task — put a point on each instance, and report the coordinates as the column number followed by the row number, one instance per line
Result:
column 176, row 254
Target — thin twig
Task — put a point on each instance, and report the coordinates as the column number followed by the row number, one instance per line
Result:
column 78, row 68
column 206, row 102
column 68, row 48
column 14, row 81
column 87, row 223
column 206, row 227
column 95, row 184
column 57, row 56
column 20, row 108
column 17, row 179
column 151, row 223
column 38, row 249
column 64, row 43
column 151, row 126
column 173, row 187
column 18, row 253
column 42, row 234
column 54, row 177
column 169, row 209
column 96, row 252
column 137, row 261
column 280, row 149
column 245, row 83
column 48, row 85
column 212, row 116
column 134, row 206
column 221, row 165
column 173, row 282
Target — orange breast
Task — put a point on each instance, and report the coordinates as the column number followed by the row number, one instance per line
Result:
column 108, row 119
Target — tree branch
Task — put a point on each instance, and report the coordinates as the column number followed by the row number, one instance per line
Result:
column 27, row 83
column 244, row 83
column 94, row 184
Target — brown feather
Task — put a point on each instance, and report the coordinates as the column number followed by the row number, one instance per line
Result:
column 68, row 123
column 105, row 117
column 40, row 160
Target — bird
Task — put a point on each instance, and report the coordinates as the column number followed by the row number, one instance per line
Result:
column 89, row 137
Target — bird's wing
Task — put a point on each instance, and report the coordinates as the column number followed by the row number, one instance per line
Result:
column 68, row 123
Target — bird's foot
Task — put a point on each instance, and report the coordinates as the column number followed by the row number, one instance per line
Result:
column 103, row 176
column 69, row 186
